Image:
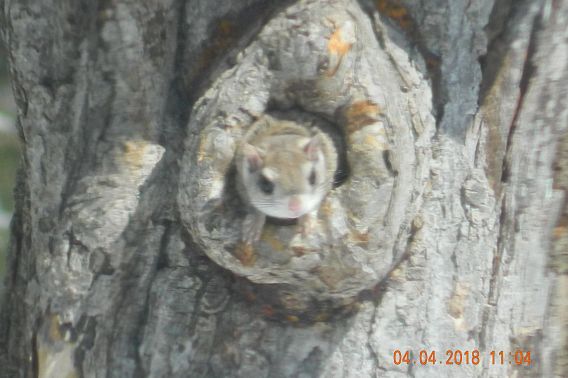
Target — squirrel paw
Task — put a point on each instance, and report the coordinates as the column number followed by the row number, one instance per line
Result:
column 252, row 227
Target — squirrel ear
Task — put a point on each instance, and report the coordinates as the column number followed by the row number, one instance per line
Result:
column 253, row 158
column 312, row 148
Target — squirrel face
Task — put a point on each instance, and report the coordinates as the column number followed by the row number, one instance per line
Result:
column 285, row 176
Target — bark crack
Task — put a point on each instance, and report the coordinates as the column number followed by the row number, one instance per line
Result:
column 527, row 73
column 504, row 224
column 370, row 331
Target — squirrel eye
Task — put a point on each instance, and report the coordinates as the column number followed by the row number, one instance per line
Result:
column 265, row 185
column 312, row 178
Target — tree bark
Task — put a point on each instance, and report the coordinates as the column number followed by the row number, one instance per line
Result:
column 109, row 274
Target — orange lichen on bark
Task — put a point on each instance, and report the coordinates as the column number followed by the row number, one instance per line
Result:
column 559, row 232
column 134, row 153
column 396, row 11
column 326, row 209
column 245, row 253
column 360, row 114
column 337, row 45
column 293, row 319
column 201, row 152
column 361, row 238
column 561, row 228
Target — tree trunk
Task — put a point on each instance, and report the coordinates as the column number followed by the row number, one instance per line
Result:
column 457, row 246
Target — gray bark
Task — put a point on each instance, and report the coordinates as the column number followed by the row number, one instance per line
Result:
column 124, row 260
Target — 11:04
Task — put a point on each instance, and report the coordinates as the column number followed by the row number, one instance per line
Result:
column 518, row 358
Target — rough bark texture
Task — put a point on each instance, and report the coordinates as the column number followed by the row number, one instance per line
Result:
column 373, row 97
column 108, row 276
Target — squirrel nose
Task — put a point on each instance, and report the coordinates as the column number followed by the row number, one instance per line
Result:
column 295, row 204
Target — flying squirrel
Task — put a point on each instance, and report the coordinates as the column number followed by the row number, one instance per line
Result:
column 284, row 170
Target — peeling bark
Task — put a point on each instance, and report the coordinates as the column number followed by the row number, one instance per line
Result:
column 109, row 275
